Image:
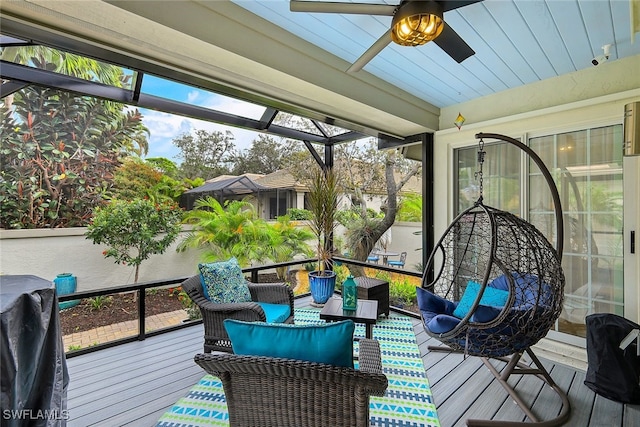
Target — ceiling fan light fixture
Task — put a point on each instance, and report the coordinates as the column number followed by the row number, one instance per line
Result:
column 416, row 23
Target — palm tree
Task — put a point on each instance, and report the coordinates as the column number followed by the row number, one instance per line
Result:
column 224, row 232
column 287, row 241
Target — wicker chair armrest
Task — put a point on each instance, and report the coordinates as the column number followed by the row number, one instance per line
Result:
column 370, row 361
column 274, row 293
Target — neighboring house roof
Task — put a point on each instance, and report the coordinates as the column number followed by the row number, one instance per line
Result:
column 281, row 179
column 229, row 185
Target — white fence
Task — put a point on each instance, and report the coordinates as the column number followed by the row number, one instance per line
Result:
column 48, row 252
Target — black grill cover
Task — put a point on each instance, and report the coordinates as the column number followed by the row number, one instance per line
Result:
column 612, row 372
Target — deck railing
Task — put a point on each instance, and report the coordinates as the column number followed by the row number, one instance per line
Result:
column 140, row 290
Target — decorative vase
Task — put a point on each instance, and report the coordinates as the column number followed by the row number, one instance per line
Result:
column 322, row 285
column 349, row 294
column 66, row 283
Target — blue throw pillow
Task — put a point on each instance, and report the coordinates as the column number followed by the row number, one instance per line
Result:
column 491, row 296
column 330, row 343
column 224, row 282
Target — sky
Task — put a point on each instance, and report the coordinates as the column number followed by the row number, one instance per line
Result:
column 165, row 127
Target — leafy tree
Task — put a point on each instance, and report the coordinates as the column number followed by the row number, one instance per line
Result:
column 164, row 165
column 204, row 154
column 134, row 178
column 137, row 178
column 234, row 230
column 64, row 63
column 135, row 229
column 410, row 208
column 363, row 234
column 59, row 152
column 363, row 170
column 265, row 156
column 296, row 214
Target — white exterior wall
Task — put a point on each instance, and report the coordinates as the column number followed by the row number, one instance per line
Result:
column 404, row 239
column 46, row 253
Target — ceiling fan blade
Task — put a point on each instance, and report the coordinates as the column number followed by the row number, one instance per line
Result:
column 453, row 45
column 454, row 4
column 338, row 7
column 370, row 53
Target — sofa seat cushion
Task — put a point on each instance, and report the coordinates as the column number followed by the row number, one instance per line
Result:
column 276, row 313
column 330, row 343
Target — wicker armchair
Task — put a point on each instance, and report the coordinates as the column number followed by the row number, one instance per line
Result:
column 268, row 391
column 213, row 315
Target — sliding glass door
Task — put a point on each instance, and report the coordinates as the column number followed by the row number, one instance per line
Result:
column 587, row 168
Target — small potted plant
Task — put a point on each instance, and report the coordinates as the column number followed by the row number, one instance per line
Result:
column 323, row 204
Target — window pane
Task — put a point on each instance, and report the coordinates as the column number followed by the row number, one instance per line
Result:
column 69, row 64
column 500, row 177
column 587, row 167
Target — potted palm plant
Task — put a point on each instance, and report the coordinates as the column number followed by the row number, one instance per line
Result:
column 323, row 204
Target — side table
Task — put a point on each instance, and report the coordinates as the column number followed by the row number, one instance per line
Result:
column 374, row 289
column 365, row 313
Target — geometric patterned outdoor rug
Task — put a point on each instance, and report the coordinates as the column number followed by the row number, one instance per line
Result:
column 406, row 403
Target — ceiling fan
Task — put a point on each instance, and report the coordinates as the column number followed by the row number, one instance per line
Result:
column 414, row 23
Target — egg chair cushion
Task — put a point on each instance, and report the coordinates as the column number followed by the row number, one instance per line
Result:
column 436, row 311
column 491, row 296
column 531, row 290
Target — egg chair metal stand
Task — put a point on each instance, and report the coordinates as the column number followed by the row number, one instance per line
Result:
column 497, row 289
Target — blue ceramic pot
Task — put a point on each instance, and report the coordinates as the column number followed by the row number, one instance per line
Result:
column 66, row 284
column 322, row 284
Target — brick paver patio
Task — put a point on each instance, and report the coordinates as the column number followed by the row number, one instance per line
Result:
column 121, row 330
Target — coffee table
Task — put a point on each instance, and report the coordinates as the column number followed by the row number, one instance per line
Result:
column 367, row 313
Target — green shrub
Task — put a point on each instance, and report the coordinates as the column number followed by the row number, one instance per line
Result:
column 298, row 214
column 99, row 302
column 402, row 292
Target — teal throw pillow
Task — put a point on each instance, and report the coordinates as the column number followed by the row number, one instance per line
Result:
column 330, row 343
column 491, row 297
column 224, row 282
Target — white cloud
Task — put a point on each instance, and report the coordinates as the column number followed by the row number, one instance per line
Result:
column 164, row 127
column 193, row 96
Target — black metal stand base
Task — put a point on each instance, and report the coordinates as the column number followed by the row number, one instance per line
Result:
column 516, row 367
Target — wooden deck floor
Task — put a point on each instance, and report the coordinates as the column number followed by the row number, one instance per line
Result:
column 134, row 384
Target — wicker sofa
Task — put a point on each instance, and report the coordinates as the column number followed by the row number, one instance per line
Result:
column 213, row 315
column 269, row 391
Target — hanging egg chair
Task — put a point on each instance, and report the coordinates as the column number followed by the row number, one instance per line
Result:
column 494, row 286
